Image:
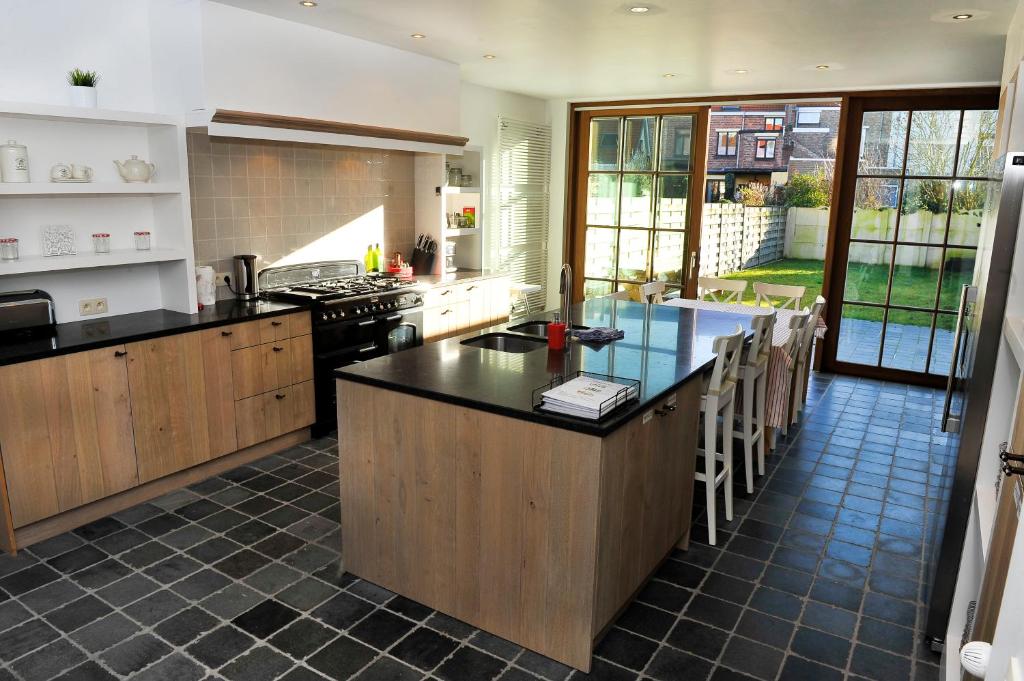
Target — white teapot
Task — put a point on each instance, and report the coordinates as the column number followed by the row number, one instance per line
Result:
column 135, row 169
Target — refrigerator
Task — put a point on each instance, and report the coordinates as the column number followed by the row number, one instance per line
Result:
column 970, row 391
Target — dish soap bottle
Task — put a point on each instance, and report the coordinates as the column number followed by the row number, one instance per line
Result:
column 368, row 259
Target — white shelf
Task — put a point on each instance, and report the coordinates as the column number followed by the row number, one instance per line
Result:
column 36, row 189
column 37, row 263
column 74, row 114
column 461, row 190
column 469, row 231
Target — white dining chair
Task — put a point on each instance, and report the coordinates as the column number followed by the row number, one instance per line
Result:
column 721, row 290
column 619, row 295
column 719, row 400
column 753, row 374
column 803, row 360
column 792, row 348
column 653, row 292
column 769, row 293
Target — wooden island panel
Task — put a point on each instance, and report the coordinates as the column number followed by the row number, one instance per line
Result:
column 534, row 533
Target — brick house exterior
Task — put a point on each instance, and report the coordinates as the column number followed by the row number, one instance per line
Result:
column 765, row 143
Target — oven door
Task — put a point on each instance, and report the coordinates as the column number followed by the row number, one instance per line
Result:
column 337, row 345
column 400, row 330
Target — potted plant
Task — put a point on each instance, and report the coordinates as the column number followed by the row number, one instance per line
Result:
column 83, row 87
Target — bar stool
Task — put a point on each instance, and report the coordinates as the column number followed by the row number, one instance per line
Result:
column 719, row 400
column 753, row 375
column 792, row 348
column 803, row 359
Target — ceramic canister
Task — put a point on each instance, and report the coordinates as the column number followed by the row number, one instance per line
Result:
column 13, row 162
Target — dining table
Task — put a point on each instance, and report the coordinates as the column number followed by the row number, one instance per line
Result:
column 780, row 381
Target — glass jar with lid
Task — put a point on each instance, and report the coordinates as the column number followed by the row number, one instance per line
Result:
column 8, row 248
column 101, row 242
column 143, row 241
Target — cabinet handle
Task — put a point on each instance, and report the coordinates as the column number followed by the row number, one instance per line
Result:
column 120, row 353
column 471, row 288
column 277, row 349
column 446, row 312
column 226, row 333
column 670, row 407
column 279, row 396
column 446, row 292
column 276, row 323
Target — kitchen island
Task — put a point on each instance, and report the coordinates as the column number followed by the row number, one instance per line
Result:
column 539, row 528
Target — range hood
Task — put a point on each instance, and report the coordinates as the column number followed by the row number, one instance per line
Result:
column 262, row 126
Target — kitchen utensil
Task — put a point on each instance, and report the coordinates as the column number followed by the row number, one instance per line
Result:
column 58, row 240
column 245, row 282
column 101, row 242
column 135, row 170
column 26, row 310
column 143, row 241
column 9, row 248
column 13, row 162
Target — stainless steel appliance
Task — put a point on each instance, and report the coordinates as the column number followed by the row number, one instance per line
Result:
column 245, row 283
column 26, row 312
column 356, row 317
column 976, row 346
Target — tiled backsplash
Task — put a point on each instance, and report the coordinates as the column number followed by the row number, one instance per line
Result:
column 296, row 202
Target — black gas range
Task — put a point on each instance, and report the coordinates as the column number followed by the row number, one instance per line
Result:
column 356, row 317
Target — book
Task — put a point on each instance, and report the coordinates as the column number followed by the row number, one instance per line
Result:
column 586, row 397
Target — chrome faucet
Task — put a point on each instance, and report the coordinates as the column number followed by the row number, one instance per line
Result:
column 565, row 289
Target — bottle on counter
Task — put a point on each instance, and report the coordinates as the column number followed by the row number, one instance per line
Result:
column 368, row 259
column 378, row 259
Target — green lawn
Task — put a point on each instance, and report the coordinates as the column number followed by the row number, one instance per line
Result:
column 912, row 286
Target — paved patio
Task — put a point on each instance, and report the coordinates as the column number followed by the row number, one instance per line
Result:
column 906, row 346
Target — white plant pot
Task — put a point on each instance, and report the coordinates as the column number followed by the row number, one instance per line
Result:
column 82, row 95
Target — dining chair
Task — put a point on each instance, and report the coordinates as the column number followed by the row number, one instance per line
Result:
column 653, row 292
column 803, row 360
column 619, row 295
column 753, row 374
column 719, row 400
column 721, row 290
column 768, row 292
column 792, row 348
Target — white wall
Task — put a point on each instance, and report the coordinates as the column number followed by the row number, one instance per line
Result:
column 44, row 39
column 254, row 62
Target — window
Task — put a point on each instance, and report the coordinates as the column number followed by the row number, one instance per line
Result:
column 808, row 117
column 727, row 143
column 773, row 123
column 765, row 148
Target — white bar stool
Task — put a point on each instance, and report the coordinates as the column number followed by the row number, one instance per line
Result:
column 753, row 375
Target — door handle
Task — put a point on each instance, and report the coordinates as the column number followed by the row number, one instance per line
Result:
column 120, row 353
column 693, row 260
column 951, row 422
column 393, row 318
column 279, row 396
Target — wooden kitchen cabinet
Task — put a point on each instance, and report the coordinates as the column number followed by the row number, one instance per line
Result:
column 260, row 331
column 272, row 365
column 438, row 322
column 171, row 403
column 460, row 308
column 66, row 432
column 218, row 377
column 265, row 416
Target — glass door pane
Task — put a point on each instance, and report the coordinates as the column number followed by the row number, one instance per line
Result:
column 920, row 195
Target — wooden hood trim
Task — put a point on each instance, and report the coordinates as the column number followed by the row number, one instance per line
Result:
column 316, row 125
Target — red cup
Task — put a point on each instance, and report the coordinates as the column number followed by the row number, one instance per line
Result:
column 556, row 336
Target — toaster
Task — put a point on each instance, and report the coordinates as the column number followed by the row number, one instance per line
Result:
column 26, row 311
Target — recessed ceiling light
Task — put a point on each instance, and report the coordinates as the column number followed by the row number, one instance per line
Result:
column 668, row 75
column 822, row 67
column 741, row 71
column 489, row 56
column 963, row 17
column 307, row 3
column 639, row 9
column 418, row 36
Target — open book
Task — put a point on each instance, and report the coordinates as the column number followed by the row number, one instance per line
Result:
column 588, row 398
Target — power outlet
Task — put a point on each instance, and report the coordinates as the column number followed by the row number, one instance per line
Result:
column 91, row 306
column 220, row 279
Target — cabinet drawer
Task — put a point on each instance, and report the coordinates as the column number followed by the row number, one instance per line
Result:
column 301, row 357
column 439, row 296
column 265, row 416
column 261, row 368
column 244, row 335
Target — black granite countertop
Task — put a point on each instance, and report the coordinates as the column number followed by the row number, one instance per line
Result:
column 664, row 347
column 88, row 335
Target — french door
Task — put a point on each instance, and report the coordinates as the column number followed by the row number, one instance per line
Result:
column 917, row 185
column 634, row 219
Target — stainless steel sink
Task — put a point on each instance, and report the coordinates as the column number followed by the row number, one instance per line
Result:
column 539, row 328
column 505, row 342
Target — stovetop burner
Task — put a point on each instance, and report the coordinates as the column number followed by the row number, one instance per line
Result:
column 348, row 287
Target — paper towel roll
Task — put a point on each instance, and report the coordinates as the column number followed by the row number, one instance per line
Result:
column 206, row 287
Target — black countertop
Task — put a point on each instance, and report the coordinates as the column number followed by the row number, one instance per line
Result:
column 88, row 335
column 664, row 347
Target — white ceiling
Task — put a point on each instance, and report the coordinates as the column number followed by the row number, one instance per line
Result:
column 597, row 48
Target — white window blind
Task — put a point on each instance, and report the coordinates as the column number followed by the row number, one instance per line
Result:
column 523, row 169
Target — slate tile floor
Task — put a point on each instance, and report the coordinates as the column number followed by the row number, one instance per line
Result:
column 817, row 578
